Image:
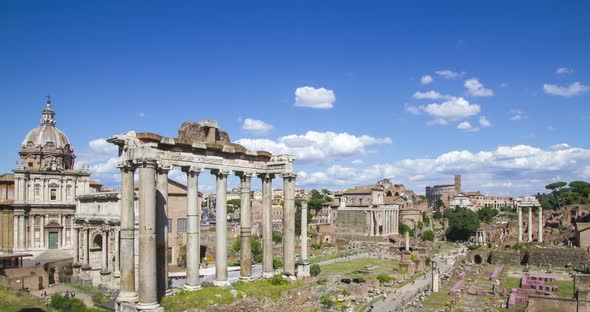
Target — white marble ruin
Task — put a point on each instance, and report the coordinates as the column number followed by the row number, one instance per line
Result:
column 199, row 147
column 531, row 203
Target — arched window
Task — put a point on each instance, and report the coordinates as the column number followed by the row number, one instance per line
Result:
column 97, row 242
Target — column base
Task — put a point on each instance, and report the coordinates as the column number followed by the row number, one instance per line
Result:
column 246, row 278
column 117, row 274
column 221, row 283
column 125, row 302
column 303, row 269
column 107, row 272
column 76, row 264
column 150, row 307
column 86, row 267
column 268, row 274
column 190, row 287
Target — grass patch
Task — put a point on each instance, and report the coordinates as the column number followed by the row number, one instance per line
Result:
column 200, row 299
column 512, row 282
column 98, row 297
column 352, row 266
column 265, row 289
column 15, row 300
column 318, row 259
column 566, row 288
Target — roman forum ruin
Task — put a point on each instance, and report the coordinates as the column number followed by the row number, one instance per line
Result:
column 198, row 147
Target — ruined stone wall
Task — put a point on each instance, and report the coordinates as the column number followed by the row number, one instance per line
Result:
column 508, row 256
column 557, row 256
column 544, row 303
column 351, row 222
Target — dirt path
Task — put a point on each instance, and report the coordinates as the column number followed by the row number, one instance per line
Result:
column 60, row 289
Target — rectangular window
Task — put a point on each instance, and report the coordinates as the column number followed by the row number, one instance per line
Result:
column 181, row 226
column 169, row 254
column 169, row 225
column 53, row 194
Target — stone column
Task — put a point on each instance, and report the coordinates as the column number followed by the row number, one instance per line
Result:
column 32, row 232
column 117, row 266
column 42, row 232
column 86, row 264
column 162, row 229
column 148, row 288
column 368, row 223
column 519, row 211
column 407, row 241
column 221, row 228
column 75, row 248
column 105, row 254
column 435, row 277
column 267, row 248
column 530, row 224
column 540, row 224
column 303, row 267
column 127, row 295
column 371, row 225
column 289, row 224
column 21, row 232
column 245, row 227
column 193, row 245
column 63, row 231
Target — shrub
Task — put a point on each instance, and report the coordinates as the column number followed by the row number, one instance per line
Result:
column 277, row 280
column 384, row 278
column 427, row 261
column 277, row 263
column 473, row 247
column 322, row 281
column 428, row 236
column 64, row 304
column 326, row 301
column 315, row 270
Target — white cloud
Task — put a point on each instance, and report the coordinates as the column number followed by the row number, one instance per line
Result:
column 426, row 79
column 316, row 146
column 415, row 110
column 256, row 126
column 476, row 88
column 449, row 74
column 517, row 114
column 432, row 95
column 484, row 122
column 358, row 162
column 563, row 71
column 101, row 157
column 517, row 117
column 575, row 88
column 467, row 127
column 314, row 98
column 453, row 109
column 510, row 170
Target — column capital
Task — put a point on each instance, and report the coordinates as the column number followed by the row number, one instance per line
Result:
column 266, row 176
column 164, row 168
column 146, row 162
column 192, row 170
column 220, row 173
column 126, row 166
column 244, row 175
column 288, row 175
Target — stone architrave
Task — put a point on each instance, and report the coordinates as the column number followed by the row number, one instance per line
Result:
column 245, row 227
column 289, row 224
column 127, row 295
column 193, row 245
column 221, row 228
column 148, row 286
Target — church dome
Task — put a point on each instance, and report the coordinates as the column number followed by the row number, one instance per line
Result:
column 47, row 132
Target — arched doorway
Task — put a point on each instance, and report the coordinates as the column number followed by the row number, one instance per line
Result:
column 477, row 259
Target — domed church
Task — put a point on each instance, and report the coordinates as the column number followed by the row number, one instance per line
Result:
column 45, row 188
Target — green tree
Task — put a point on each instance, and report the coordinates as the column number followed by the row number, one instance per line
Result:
column 556, row 190
column 463, row 223
column 486, row 214
column 428, row 236
column 403, row 228
column 255, row 245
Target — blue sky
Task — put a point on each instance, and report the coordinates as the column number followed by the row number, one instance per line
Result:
column 508, row 108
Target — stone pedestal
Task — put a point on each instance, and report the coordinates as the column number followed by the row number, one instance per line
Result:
column 303, row 269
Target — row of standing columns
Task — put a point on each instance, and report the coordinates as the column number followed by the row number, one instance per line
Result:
column 387, row 219
column 153, row 274
column 530, row 224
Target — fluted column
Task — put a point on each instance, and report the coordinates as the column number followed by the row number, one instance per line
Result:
column 127, row 246
column 148, row 289
column 245, row 227
column 530, row 224
column 519, row 212
column 540, row 224
column 86, row 248
column 221, row 228
column 193, row 245
column 117, row 265
column 162, row 228
column 267, row 248
column 105, row 257
column 76, row 247
column 289, row 224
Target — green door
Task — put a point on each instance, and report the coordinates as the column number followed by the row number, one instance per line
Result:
column 52, row 240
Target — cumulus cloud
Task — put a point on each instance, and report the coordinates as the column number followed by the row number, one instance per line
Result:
column 510, row 170
column 575, row 88
column 453, row 109
column 431, row 95
column 563, row 71
column 476, row 88
column 426, row 79
column 484, row 122
column 316, row 146
column 101, row 158
column 256, row 126
column 517, row 114
column 314, row 98
column 449, row 74
column 415, row 110
column 467, row 127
